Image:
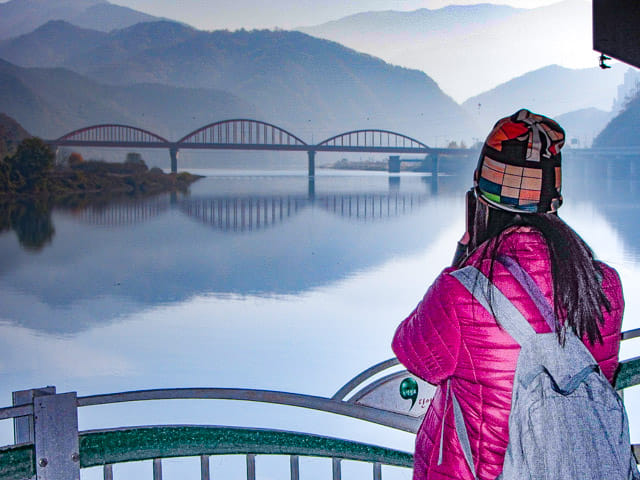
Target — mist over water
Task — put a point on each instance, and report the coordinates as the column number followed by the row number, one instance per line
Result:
column 255, row 279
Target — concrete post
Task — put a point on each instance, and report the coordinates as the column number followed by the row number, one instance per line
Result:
column 312, row 162
column 394, row 163
column 173, row 152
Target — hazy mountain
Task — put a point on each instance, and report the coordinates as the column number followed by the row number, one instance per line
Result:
column 50, row 44
column 378, row 31
column 59, row 44
column 313, row 87
column 51, row 102
column 582, row 126
column 22, row 16
column 470, row 49
column 622, row 131
column 551, row 90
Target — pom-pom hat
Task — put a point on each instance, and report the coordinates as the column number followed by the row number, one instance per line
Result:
column 519, row 169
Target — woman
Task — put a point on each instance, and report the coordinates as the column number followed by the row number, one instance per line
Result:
column 451, row 339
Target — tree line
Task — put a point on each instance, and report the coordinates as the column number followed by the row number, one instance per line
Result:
column 27, row 170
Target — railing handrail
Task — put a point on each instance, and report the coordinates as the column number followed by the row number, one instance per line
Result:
column 629, row 334
column 98, row 447
column 13, row 412
column 381, row 417
column 127, row 444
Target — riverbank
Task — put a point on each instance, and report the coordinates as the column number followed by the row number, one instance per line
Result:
column 98, row 178
column 117, row 178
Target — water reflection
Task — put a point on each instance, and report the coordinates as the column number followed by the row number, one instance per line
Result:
column 117, row 214
column 247, row 214
column 251, row 236
column 31, row 222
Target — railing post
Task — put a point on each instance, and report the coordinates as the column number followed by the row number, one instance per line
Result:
column 107, row 472
column 251, row 466
column 377, row 471
column 157, row 469
column 23, row 426
column 294, row 463
column 56, row 437
column 204, row 467
column 337, row 469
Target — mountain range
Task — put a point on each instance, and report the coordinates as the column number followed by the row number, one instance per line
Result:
column 50, row 102
column 469, row 49
column 18, row 17
column 554, row 91
column 171, row 78
column 295, row 81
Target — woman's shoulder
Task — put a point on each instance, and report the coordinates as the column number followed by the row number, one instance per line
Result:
column 519, row 242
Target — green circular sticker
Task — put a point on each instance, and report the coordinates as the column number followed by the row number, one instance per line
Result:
column 409, row 390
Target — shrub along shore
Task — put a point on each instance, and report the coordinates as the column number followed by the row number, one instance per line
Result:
column 32, row 172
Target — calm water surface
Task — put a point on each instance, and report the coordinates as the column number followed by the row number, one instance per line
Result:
column 258, row 280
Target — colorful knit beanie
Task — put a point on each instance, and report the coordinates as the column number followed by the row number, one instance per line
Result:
column 519, row 166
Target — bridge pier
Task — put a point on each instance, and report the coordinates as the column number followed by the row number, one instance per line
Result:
column 312, row 162
column 434, row 165
column 394, row 163
column 173, row 152
column 311, row 190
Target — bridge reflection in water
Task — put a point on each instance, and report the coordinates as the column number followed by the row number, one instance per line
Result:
column 243, row 213
column 124, row 213
column 253, row 213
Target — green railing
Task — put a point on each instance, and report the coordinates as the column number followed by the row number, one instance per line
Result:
column 153, row 443
column 53, row 449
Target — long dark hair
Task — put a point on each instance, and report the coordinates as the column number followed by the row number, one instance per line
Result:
column 577, row 278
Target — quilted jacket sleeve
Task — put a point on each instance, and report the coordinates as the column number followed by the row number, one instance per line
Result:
column 427, row 342
column 606, row 353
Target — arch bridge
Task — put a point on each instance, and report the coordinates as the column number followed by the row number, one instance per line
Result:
column 249, row 134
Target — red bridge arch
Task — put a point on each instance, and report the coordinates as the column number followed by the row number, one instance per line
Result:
column 112, row 133
column 242, row 132
column 372, row 138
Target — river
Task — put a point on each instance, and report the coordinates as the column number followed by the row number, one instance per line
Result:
column 254, row 279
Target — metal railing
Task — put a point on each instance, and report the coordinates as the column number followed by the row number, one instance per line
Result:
column 48, row 445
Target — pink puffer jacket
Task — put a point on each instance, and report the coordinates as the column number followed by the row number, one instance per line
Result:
column 450, row 335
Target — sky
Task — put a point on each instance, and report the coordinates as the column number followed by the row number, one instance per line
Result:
column 286, row 14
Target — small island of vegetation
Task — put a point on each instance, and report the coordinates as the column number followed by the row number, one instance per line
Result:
column 33, row 183
column 31, row 171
